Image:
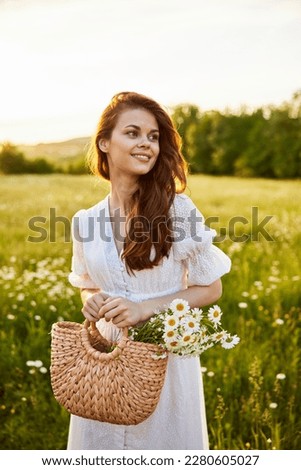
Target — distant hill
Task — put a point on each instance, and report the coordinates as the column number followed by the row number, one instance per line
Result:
column 64, row 151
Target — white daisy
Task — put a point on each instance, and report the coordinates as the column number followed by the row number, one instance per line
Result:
column 190, row 324
column 197, row 313
column 179, row 307
column 234, row 340
column 220, row 336
column 273, row 406
column 204, row 339
column 187, row 339
column 243, row 305
column 171, row 322
column 214, row 314
column 169, row 335
column 173, row 345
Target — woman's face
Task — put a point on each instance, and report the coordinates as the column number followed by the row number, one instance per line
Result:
column 133, row 148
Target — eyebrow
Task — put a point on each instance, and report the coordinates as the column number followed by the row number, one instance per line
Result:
column 139, row 128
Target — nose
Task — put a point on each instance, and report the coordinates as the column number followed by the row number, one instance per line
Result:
column 144, row 142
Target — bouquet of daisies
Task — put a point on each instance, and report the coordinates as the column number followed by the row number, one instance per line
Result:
column 185, row 331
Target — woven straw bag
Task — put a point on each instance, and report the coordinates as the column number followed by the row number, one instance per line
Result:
column 120, row 387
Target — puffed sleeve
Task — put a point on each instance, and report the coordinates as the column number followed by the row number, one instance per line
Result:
column 194, row 247
column 79, row 276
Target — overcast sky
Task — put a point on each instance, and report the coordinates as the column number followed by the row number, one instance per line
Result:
column 62, row 60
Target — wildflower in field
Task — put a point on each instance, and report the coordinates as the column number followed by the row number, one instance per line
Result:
column 280, row 376
column 245, row 294
column 210, row 373
column 7, row 273
column 296, row 278
column 279, row 321
column 21, row 297
column 203, row 369
column 43, row 370
column 36, row 363
column 274, row 279
column 52, row 308
column 254, row 296
column 243, row 305
column 10, row 316
column 273, row 406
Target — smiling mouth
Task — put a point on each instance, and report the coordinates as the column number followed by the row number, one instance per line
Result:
column 141, row 157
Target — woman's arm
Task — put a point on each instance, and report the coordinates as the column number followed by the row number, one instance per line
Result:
column 196, row 296
column 124, row 312
column 87, row 293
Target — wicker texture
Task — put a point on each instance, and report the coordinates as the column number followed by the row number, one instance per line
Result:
column 119, row 387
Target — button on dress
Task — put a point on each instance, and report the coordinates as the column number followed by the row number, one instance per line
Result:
column 179, row 420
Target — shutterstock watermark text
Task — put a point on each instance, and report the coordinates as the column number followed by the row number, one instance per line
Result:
column 47, row 228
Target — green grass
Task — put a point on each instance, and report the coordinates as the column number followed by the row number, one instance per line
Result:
column 261, row 303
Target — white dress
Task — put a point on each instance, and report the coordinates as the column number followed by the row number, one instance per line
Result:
column 179, row 420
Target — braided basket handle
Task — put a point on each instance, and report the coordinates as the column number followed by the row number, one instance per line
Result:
column 89, row 323
column 119, row 346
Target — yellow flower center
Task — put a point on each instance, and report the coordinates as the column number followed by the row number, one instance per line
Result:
column 172, row 322
column 186, row 338
column 191, row 324
column 173, row 344
column 170, row 334
column 180, row 307
column 216, row 313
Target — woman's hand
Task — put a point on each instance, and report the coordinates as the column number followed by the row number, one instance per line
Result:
column 121, row 311
column 92, row 305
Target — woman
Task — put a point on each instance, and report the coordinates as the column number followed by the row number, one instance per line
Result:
column 136, row 250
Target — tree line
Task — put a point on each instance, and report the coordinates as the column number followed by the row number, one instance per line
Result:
column 265, row 142
column 12, row 161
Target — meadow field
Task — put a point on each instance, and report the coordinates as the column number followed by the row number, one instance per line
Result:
column 253, row 392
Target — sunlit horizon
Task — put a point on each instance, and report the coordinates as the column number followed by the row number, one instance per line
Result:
column 65, row 59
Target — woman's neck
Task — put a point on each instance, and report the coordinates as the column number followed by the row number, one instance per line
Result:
column 120, row 195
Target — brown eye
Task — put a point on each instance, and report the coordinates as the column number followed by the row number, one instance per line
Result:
column 132, row 133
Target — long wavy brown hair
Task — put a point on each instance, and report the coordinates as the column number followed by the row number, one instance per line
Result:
column 150, row 203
